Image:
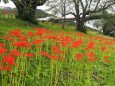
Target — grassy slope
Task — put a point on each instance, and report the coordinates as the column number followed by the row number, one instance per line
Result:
column 9, row 24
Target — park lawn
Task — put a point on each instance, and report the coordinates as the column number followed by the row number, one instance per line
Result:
column 49, row 55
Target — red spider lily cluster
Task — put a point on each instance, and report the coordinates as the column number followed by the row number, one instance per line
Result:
column 57, row 46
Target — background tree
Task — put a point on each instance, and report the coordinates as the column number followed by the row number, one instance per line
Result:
column 27, row 8
column 85, row 10
column 107, row 23
column 58, row 7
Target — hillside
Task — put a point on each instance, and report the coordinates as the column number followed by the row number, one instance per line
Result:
column 49, row 55
column 7, row 24
column 41, row 14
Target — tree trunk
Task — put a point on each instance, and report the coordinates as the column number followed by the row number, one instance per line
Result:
column 27, row 13
column 80, row 26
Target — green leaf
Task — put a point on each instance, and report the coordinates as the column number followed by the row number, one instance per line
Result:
column 5, row 1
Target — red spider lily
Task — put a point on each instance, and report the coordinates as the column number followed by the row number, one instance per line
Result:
column 97, row 38
column 107, row 61
column 43, row 53
column 55, row 38
column 90, row 37
column 77, row 43
column 79, row 33
column 2, row 45
column 40, row 31
column 61, row 58
column 91, row 45
column 106, row 57
column 56, row 49
column 3, row 50
column 62, row 52
column 37, row 42
column 103, row 48
column 22, row 44
column 65, row 41
column 108, row 42
column 79, row 56
column 91, row 54
column 92, row 58
column 30, row 34
column 8, row 38
column 15, row 33
column 7, row 68
column 22, row 38
column 29, row 55
column 15, row 53
column 1, row 65
column 9, row 60
column 86, row 48
column 53, row 57
column 49, row 37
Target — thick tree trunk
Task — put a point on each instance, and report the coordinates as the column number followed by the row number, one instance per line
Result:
column 26, row 13
column 80, row 26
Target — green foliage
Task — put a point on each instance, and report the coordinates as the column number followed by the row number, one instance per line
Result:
column 41, row 14
column 108, row 18
column 5, row 1
column 108, row 23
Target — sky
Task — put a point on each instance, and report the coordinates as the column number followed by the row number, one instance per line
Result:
column 10, row 4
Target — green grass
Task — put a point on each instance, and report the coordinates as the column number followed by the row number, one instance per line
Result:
column 9, row 24
column 60, row 67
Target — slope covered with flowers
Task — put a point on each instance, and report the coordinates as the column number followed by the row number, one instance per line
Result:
column 46, row 58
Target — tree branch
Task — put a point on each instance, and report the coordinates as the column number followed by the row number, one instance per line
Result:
column 39, row 3
column 94, row 17
column 100, row 9
column 69, row 13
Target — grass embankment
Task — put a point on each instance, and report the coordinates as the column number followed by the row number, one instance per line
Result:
column 46, row 57
column 10, row 24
